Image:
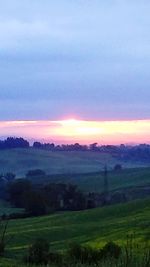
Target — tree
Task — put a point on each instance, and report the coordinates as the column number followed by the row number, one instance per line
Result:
column 9, row 176
column 93, row 147
column 12, row 142
column 37, row 145
column 34, row 203
column 118, row 167
column 106, row 185
column 16, row 190
column 35, row 173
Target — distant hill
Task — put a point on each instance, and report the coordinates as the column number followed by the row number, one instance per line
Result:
column 21, row 160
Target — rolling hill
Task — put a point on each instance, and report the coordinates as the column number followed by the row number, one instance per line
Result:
column 94, row 227
column 94, row 182
column 20, row 161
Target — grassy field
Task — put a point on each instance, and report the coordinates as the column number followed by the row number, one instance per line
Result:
column 20, row 161
column 94, row 227
column 94, row 182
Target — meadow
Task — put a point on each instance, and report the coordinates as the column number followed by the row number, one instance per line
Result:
column 94, row 227
column 19, row 161
column 94, row 182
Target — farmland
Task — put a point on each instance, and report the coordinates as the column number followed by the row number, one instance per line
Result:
column 94, row 182
column 95, row 227
column 19, row 161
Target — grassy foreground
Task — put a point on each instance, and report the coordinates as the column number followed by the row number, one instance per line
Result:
column 94, row 227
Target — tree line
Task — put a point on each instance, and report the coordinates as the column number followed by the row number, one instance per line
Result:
column 125, row 152
column 12, row 142
column 44, row 199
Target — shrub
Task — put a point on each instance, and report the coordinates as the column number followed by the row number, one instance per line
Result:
column 110, row 250
column 38, row 252
column 55, row 258
column 74, row 252
column 118, row 167
column 83, row 254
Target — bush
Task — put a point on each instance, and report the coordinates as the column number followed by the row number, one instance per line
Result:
column 75, row 252
column 38, row 252
column 55, row 258
column 83, row 254
column 118, row 167
column 110, row 250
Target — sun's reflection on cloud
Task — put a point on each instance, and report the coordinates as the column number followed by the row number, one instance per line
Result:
column 73, row 130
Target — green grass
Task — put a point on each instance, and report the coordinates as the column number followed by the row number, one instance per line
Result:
column 8, row 263
column 95, row 227
column 94, row 182
column 20, row 161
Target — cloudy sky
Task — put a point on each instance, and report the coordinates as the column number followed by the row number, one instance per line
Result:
column 84, row 59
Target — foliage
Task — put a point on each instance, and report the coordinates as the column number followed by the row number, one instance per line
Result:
column 12, row 142
column 23, row 195
column 35, row 173
column 39, row 200
column 118, row 167
column 87, row 256
column 83, row 254
column 34, row 203
column 64, row 197
column 16, row 190
column 110, row 250
column 38, row 252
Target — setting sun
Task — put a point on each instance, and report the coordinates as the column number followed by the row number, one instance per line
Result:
column 70, row 122
column 82, row 131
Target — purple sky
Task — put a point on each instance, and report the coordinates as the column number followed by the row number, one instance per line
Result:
column 78, row 58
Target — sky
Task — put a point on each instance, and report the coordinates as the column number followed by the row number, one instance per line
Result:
column 83, row 59
column 83, row 132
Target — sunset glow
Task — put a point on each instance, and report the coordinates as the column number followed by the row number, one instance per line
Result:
column 73, row 130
